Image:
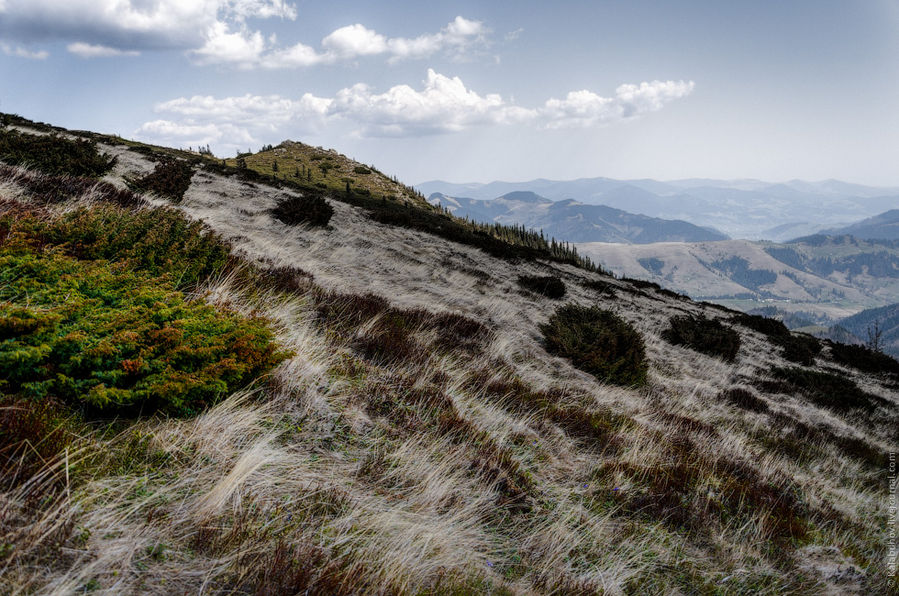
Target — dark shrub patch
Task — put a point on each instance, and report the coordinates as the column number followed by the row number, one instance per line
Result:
column 345, row 312
column 288, row 279
column 598, row 342
column 864, row 359
column 310, row 208
column 603, row 288
column 828, row 390
column 455, row 332
column 362, row 170
column 704, row 335
column 549, row 286
column 170, row 178
column 801, row 349
column 53, row 154
column 390, row 338
column 49, row 188
column 745, row 399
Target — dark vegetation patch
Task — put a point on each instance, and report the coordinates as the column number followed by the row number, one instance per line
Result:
column 708, row 336
column 546, row 285
column 285, row 278
column 689, row 490
column 828, row 390
column 801, row 442
column 170, row 178
column 598, row 427
column 52, row 189
column 745, row 399
column 309, row 208
column 598, row 342
column 864, row 359
column 603, row 288
column 394, row 334
column 642, row 284
column 801, row 349
column 53, row 154
column 32, row 433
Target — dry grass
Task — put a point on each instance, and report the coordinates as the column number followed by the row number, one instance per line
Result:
column 406, row 449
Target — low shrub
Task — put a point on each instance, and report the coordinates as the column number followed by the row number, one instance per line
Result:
column 309, row 208
column 743, row 398
column 171, row 179
column 53, row 154
column 49, row 188
column 864, row 359
column 108, row 339
column 158, row 241
column 603, row 288
column 801, row 349
column 361, row 170
column 598, row 342
column 549, row 285
column 707, row 336
column 828, row 390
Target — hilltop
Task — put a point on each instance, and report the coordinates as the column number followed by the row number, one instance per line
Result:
column 220, row 380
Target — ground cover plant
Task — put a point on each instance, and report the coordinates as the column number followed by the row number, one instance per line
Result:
column 170, row 178
column 597, row 341
column 798, row 348
column 708, row 336
column 117, row 336
column 864, row 359
column 310, row 207
column 54, row 154
column 545, row 285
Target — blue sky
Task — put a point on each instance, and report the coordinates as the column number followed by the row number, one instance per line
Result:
column 477, row 91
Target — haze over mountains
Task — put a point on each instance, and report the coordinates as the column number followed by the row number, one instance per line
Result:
column 745, row 208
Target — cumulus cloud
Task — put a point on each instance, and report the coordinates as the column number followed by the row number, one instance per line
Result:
column 346, row 43
column 585, row 108
column 87, row 50
column 443, row 105
column 215, row 32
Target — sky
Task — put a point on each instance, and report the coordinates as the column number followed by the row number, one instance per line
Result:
column 479, row 91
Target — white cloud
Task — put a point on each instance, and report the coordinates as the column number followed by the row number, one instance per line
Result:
column 87, row 50
column 132, row 24
column 585, row 108
column 346, row 43
column 443, row 105
column 20, row 52
column 215, row 32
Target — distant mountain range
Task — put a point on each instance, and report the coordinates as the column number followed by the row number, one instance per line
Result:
column 573, row 221
column 884, row 226
column 751, row 209
column 830, row 277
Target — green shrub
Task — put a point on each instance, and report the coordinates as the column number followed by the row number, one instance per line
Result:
column 598, row 342
column 53, row 154
column 309, row 208
column 549, row 286
column 801, row 349
column 704, row 335
column 171, row 178
column 362, row 170
column 864, row 359
column 109, row 339
column 835, row 392
column 158, row 241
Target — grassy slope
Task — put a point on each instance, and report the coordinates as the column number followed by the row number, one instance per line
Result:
column 386, row 456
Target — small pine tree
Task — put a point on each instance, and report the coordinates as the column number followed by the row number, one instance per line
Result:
column 348, row 191
column 274, row 165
